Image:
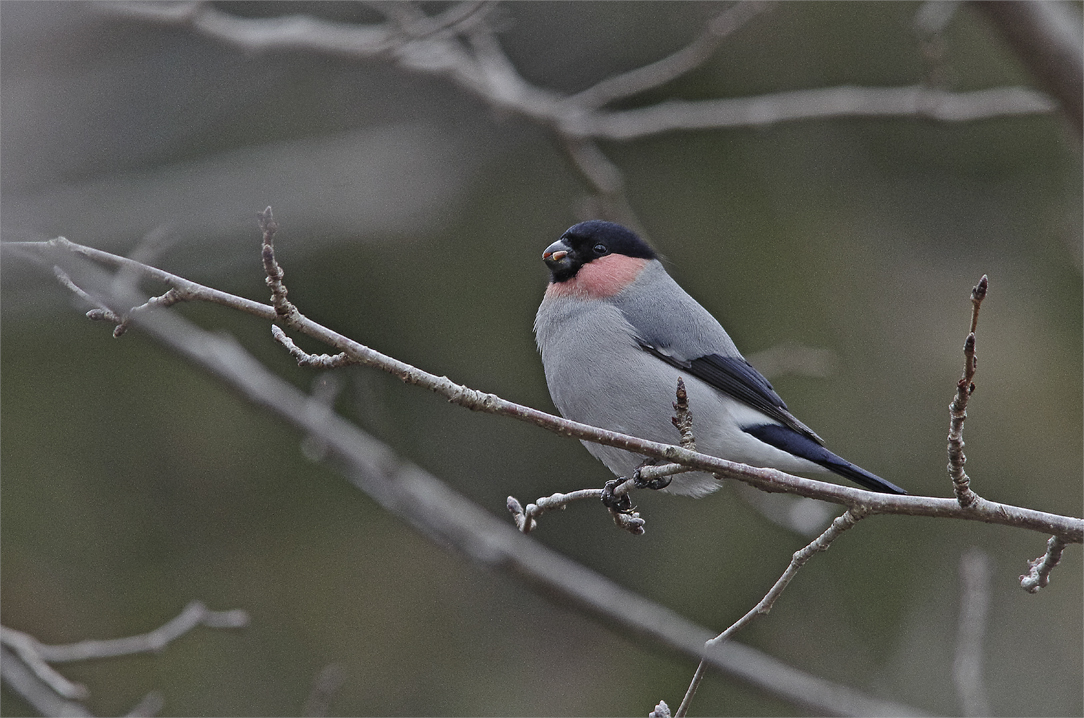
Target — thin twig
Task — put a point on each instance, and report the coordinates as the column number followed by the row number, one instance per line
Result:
column 819, row 103
column 37, row 656
column 195, row 614
column 287, row 312
column 1038, row 575
column 99, row 313
column 525, row 518
column 673, row 66
column 646, row 477
column 847, row 520
column 315, row 361
column 61, row 248
column 683, row 418
column 961, row 483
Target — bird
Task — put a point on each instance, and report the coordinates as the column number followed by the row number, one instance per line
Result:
column 615, row 332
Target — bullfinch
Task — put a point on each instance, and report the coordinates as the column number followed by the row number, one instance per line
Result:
column 616, row 331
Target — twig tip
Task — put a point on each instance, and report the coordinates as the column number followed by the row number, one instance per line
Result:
column 978, row 293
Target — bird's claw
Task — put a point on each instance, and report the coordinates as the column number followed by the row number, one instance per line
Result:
column 621, row 504
column 654, row 484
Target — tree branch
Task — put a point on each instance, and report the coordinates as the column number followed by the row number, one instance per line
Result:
column 1068, row 528
column 822, row 103
column 1047, row 38
column 490, row 75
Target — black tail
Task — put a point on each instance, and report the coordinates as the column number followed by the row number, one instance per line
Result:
column 790, row 441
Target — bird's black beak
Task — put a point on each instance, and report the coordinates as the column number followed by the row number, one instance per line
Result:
column 556, row 255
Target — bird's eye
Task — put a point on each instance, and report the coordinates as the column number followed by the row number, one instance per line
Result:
column 600, row 249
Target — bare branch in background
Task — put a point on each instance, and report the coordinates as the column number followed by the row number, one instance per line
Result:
column 28, row 671
column 974, row 614
column 26, row 683
column 467, row 51
column 672, row 67
column 931, row 20
column 822, row 103
column 1047, row 38
column 799, row 559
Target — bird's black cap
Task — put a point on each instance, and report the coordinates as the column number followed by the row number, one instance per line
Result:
column 588, row 241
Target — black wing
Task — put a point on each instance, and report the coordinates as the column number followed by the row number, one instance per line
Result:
column 737, row 378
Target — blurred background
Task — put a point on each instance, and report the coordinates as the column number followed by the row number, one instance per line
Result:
column 412, row 219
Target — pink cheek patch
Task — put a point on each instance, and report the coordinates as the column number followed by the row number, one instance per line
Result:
column 604, row 277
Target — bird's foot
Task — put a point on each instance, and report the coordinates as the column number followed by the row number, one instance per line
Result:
column 620, row 503
column 655, row 484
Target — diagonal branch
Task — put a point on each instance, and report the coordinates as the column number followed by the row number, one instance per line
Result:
column 797, row 561
column 673, row 66
column 1067, row 528
column 1047, row 38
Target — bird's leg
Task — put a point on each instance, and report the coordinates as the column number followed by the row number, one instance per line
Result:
column 621, row 503
column 655, row 484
